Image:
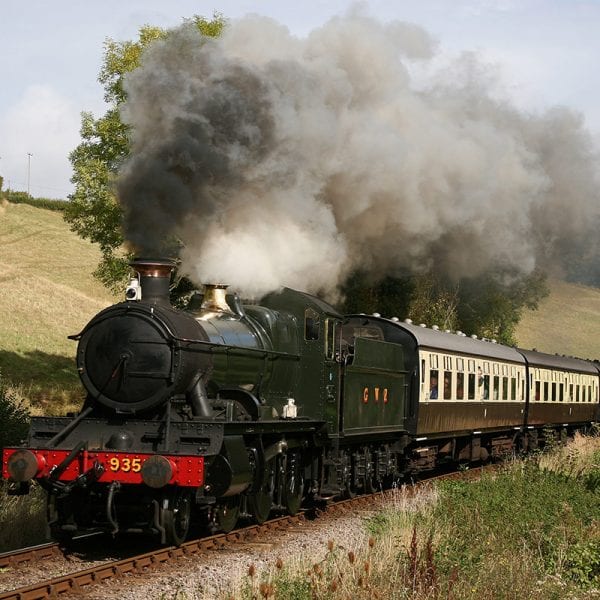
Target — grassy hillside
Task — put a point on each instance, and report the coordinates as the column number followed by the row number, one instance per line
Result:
column 567, row 322
column 47, row 292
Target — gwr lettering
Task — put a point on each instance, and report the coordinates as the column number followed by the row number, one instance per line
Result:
column 366, row 394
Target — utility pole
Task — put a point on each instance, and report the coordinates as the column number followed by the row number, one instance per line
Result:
column 29, row 155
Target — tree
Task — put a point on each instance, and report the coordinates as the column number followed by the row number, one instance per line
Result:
column 93, row 211
column 491, row 306
column 488, row 306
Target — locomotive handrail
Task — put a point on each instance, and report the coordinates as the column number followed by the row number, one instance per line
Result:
column 225, row 348
column 70, row 426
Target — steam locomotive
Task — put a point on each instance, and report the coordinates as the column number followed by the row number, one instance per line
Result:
column 225, row 410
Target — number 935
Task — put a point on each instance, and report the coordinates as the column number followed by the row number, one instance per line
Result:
column 125, row 464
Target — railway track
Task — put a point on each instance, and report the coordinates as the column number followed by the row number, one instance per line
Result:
column 23, row 555
column 76, row 581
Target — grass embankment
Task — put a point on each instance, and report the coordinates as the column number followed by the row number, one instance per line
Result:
column 530, row 531
column 47, row 292
column 567, row 322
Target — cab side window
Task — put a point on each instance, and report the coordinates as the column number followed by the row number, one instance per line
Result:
column 312, row 323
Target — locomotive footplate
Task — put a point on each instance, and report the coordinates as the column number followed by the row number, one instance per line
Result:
column 128, row 434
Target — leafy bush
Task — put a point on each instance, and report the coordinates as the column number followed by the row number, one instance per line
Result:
column 583, row 563
column 14, row 416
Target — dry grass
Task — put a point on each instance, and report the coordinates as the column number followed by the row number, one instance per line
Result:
column 22, row 519
column 567, row 322
column 47, row 292
column 575, row 459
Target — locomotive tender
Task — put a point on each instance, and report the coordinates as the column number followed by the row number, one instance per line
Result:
column 224, row 410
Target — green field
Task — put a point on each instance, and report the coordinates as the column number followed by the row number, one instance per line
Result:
column 47, row 292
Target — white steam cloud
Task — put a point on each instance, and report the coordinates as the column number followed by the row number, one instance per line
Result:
column 286, row 161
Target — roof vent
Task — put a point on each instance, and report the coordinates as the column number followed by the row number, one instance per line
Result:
column 473, row 336
column 395, row 319
column 408, row 321
column 376, row 314
column 435, row 328
column 423, row 325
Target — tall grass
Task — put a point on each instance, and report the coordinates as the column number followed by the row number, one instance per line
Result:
column 23, row 519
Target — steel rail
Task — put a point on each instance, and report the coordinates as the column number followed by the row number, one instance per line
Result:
column 22, row 555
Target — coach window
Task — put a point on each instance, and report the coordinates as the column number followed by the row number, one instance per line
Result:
column 471, row 388
column 561, row 392
column 571, row 398
column 460, row 379
column 483, row 382
column 312, row 323
column 433, row 384
column 546, row 397
column 513, row 388
column 433, row 361
column 553, row 392
column 577, row 393
column 447, row 385
column 538, row 390
column 486, row 387
column 460, row 385
column 496, row 390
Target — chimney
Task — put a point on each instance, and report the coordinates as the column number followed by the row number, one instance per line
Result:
column 154, row 279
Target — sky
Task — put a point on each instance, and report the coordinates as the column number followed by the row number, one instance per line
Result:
column 545, row 53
